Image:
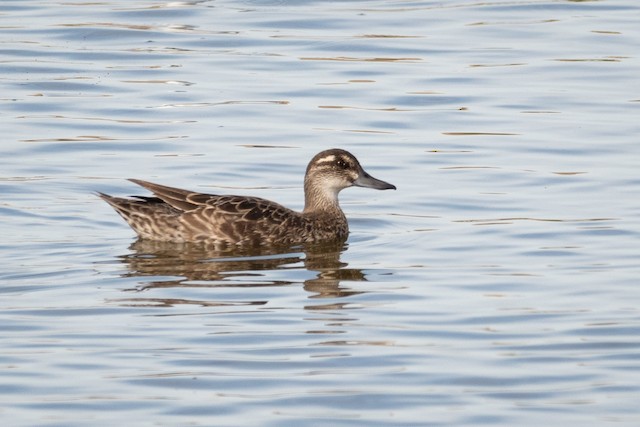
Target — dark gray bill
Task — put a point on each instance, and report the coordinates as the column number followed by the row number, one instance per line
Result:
column 366, row 180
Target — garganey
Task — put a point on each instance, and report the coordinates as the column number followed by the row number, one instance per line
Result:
column 176, row 215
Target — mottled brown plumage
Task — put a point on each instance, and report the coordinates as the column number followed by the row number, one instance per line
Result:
column 176, row 215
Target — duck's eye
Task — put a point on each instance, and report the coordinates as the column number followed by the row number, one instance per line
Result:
column 342, row 164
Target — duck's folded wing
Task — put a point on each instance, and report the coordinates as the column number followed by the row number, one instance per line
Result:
column 238, row 218
column 180, row 199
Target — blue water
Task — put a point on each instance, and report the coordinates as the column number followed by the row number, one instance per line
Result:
column 496, row 286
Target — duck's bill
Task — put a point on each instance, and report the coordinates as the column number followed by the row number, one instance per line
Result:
column 366, row 180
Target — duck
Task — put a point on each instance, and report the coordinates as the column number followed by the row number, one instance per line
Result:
column 181, row 216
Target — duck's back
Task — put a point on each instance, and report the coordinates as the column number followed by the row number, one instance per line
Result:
column 182, row 216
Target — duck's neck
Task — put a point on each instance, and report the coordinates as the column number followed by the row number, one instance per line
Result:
column 319, row 199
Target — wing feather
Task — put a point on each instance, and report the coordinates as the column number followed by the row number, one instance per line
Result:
column 175, row 197
column 200, row 216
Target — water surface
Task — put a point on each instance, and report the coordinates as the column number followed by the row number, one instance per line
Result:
column 497, row 286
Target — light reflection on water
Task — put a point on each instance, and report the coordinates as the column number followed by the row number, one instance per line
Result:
column 195, row 267
column 498, row 285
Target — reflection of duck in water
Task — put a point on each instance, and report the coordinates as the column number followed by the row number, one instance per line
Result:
column 190, row 265
column 176, row 215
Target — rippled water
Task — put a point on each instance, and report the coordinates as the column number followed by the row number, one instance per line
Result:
column 497, row 286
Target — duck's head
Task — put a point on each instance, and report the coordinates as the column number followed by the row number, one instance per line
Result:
column 331, row 171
